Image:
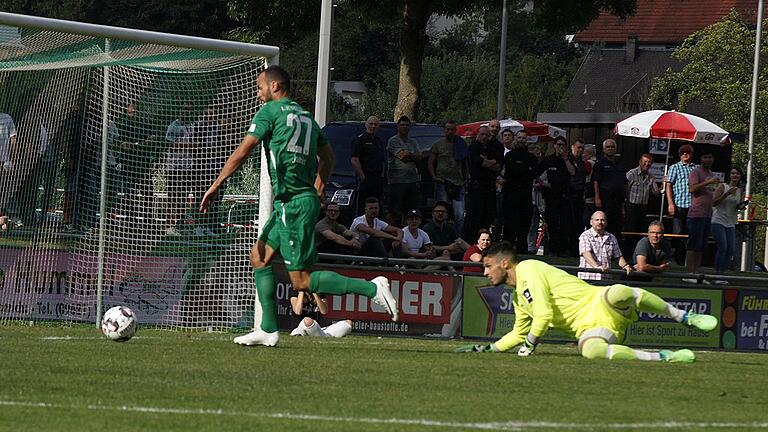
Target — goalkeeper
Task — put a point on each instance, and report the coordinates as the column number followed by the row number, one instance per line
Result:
column 597, row 316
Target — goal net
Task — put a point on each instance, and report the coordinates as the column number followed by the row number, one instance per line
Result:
column 168, row 117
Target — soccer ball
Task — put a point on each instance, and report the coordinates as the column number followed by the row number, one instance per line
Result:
column 119, row 324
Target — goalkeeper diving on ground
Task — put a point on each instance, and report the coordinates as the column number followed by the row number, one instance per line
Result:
column 547, row 297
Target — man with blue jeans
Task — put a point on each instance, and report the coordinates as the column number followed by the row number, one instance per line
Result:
column 678, row 196
column 701, row 184
column 449, row 167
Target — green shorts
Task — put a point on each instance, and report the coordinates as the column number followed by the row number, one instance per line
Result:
column 290, row 230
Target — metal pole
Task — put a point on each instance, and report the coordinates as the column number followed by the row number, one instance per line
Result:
column 502, row 63
column 323, row 62
column 103, row 198
column 145, row 36
column 752, row 111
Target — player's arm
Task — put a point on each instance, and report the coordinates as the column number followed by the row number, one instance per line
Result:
column 322, row 304
column 297, row 303
column 235, row 161
column 517, row 335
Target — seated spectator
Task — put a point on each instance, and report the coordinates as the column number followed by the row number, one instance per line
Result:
column 475, row 252
column 446, row 240
column 310, row 307
column 416, row 243
column 333, row 237
column 652, row 253
column 597, row 248
column 377, row 238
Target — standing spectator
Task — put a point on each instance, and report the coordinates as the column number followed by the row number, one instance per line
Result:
column 576, row 195
column 494, row 127
column 475, row 252
column 520, row 168
column 416, row 242
column 333, row 237
column 402, row 174
column 702, row 184
column 449, row 167
column 507, row 142
column 640, row 185
column 369, row 154
column 589, row 191
column 207, row 137
column 598, row 248
column 445, row 237
column 44, row 174
column 608, row 177
column 377, row 238
column 652, row 252
column 484, row 166
column 70, row 135
column 7, row 142
column 178, row 166
column 559, row 170
column 727, row 202
column 537, row 199
column 679, row 197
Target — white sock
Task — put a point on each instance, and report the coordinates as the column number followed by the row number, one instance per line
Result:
column 675, row 313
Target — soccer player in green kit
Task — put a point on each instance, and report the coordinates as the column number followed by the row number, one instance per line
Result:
column 300, row 163
column 547, row 297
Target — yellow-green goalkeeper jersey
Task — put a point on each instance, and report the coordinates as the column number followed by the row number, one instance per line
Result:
column 546, row 297
column 291, row 138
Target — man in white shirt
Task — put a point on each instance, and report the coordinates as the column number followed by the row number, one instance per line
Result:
column 377, row 238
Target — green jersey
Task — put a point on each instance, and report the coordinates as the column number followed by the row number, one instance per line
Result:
column 290, row 137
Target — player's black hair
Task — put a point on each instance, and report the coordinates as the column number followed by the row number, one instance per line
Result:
column 280, row 75
column 403, row 119
column 503, row 248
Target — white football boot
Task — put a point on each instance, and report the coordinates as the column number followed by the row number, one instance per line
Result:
column 258, row 337
column 384, row 297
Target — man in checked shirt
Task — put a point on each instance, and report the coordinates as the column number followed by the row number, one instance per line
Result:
column 597, row 248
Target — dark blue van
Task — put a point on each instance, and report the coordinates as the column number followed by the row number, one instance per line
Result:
column 342, row 187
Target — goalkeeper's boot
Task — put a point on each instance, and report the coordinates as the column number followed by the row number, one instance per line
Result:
column 679, row 356
column 702, row 322
column 258, row 337
column 384, row 297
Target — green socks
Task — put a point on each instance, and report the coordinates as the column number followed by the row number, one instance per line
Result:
column 265, row 289
column 327, row 282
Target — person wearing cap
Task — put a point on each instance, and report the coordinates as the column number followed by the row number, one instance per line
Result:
column 445, row 237
column 416, row 243
column 679, row 197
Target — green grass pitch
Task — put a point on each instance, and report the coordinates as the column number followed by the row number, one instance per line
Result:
column 72, row 379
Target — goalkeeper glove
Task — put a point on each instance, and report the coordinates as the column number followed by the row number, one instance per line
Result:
column 474, row 348
column 527, row 348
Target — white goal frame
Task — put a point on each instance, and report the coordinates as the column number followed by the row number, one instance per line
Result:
column 271, row 54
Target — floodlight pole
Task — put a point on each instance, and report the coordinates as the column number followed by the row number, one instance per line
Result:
column 752, row 111
column 323, row 63
column 502, row 63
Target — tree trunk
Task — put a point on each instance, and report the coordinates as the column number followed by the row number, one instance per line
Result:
column 413, row 39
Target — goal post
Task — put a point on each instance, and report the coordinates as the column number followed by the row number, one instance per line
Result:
column 109, row 137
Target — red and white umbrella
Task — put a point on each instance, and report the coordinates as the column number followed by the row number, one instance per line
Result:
column 536, row 131
column 672, row 125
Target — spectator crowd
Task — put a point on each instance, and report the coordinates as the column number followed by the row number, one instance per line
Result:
column 558, row 199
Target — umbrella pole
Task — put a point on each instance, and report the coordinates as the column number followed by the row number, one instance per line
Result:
column 664, row 182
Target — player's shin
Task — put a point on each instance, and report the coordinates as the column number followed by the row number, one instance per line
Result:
column 265, row 288
column 648, row 302
column 597, row 348
column 327, row 282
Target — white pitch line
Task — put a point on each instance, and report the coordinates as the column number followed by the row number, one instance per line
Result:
column 501, row 426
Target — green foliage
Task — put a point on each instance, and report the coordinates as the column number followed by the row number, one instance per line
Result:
column 718, row 63
column 536, row 84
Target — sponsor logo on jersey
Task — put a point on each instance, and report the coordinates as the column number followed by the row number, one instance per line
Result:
column 528, row 296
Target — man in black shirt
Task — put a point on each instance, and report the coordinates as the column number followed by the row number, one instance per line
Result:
column 520, row 168
column 576, row 195
column 368, row 159
column 484, row 166
column 559, row 170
